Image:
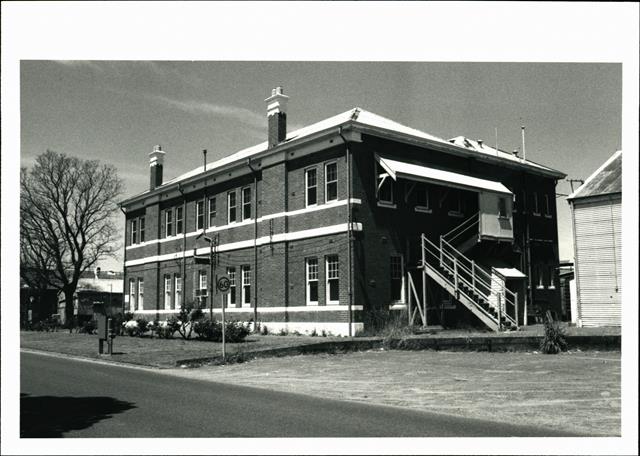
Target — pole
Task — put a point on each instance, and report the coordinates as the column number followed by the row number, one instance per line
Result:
column 224, row 350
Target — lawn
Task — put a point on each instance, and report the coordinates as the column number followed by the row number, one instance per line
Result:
column 576, row 391
column 152, row 352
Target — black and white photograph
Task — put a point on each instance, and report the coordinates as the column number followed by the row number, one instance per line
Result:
column 307, row 228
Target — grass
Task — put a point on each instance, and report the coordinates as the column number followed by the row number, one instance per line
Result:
column 152, row 352
column 574, row 391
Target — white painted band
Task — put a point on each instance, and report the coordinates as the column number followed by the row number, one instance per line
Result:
column 338, row 308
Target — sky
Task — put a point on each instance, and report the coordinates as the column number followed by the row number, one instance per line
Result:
column 116, row 111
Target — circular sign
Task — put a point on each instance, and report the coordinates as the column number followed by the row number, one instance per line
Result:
column 223, row 284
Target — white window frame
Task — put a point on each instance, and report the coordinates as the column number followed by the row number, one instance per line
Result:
column 168, row 293
column 177, row 299
column 551, row 271
column 425, row 188
column 402, row 299
column 547, row 206
column 134, row 231
column 231, row 273
column 234, row 207
column 179, row 228
column 502, row 199
column 200, row 213
column 246, row 282
column 458, row 211
column 133, row 295
column 539, row 277
column 246, row 203
column 309, row 279
column 168, row 222
column 140, row 302
column 536, row 209
column 141, row 228
column 210, row 212
column 329, row 277
column 327, row 182
column 203, row 281
column 307, row 186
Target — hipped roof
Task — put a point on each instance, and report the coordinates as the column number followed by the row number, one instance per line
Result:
column 605, row 180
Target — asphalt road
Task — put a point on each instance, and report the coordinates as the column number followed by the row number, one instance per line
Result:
column 63, row 397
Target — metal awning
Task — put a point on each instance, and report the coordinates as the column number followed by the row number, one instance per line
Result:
column 510, row 273
column 397, row 169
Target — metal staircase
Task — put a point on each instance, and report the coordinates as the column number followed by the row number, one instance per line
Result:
column 484, row 293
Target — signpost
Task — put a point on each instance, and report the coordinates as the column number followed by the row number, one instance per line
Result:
column 223, row 284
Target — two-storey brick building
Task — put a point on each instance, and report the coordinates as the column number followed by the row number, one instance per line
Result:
column 321, row 228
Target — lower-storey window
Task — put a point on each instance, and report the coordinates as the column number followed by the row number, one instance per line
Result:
column 178, row 292
column 246, row 286
column 231, row 294
column 167, row 292
column 397, row 278
column 140, row 294
column 132, row 295
column 333, row 279
column 312, row 281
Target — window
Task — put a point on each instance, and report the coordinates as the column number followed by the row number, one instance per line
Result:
column 333, row 280
column 140, row 294
column 168, row 223
column 231, row 203
column 552, row 273
column 397, row 278
column 212, row 212
column 178, row 292
column 385, row 191
column 547, row 206
column 132, row 295
column 539, row 277
column 199, row 215
column 312, row 281
column 179, row 220
column 202, row 282
column 423, row 203
column 246, row 203
column 311, row 187
column 331, row 182
column 167, row 292
column 141, row 229
column 134, row 231
column 246, row 286
column 457, row 207
column 502, row 207
column 536, row 211
column 231, row 296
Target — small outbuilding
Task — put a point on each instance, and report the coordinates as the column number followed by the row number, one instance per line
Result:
column 596, row 212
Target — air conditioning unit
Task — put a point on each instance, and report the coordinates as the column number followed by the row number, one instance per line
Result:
column 202, row 293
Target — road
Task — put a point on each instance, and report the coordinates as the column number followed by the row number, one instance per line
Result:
column 62, row 397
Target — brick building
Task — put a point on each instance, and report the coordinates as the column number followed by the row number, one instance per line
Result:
column 321, row 228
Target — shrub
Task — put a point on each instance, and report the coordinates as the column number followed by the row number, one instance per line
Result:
column 296, row 333
column 187, row 319
column 324, row 333
column 235, row 331
column 167, row 328
column 128, row 316
column 314, row 333
column 283, row 332
column 554, row 341
column 131, row 328
column 143, row 326
column 211, row 330
column 89, row 327
column 264, row 330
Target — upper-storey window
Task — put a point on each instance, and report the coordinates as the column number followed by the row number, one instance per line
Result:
column 212, row 212
column 536, row 209
column 547, row 206
column 232, row 206
column 502, row 207
column 331, row 182
column 311, row 186
column 384, row 187
column 246, row 203
column 199, row 215
column 168, row 222
column 134, row 231
column 179, row 220
column 141, row 223
column 423, row 199
column 457, row 204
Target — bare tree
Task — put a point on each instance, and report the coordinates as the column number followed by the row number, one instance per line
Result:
column 66, row 221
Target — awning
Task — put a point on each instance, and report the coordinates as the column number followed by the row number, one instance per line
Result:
column 397, row 169
column 510, row 273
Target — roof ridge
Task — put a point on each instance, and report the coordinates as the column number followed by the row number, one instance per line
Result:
column 594, row 174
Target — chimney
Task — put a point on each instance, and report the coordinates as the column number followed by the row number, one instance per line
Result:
column 156, row 160
column 277, row 116
column 480, row 142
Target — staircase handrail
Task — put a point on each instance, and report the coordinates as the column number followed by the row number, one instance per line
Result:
column 471, row 221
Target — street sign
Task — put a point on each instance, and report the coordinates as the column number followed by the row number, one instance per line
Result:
column 201, row 259
column 223, row 284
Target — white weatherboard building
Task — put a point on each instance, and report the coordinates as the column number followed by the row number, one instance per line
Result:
column 596, row 211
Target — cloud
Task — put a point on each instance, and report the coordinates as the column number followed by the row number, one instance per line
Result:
column 243, row 115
